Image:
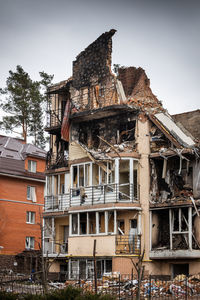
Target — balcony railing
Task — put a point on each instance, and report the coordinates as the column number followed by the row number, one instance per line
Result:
column 54, row 118
column 54, row 247
column 57, row 203
column 57, row 161
column 128, row 244
column 100, row 194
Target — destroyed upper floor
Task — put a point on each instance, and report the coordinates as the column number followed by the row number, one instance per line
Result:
column 93, row 86
column 97, row 112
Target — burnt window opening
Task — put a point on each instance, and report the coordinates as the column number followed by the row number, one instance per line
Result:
column 160, row 230
column 179, row 269
column 83, row 134
column 171, row 178
column 158, row 139
column 126, row 132
column 95, row 138
column 88, row 134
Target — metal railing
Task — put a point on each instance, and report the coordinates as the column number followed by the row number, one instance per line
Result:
column 50, row 247
column 56, row 161
column 99, row 194
column 57, row 203
column 128, row 244
column 54, row 118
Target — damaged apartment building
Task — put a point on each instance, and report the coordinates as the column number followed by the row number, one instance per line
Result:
column 121, row 175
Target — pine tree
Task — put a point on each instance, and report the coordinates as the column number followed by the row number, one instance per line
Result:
column 24, row 104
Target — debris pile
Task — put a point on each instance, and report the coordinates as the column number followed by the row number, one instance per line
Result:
column 126, row 288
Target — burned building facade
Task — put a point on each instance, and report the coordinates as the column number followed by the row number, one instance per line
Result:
column 121, row 174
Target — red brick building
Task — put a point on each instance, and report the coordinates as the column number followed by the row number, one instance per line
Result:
column 22, row 184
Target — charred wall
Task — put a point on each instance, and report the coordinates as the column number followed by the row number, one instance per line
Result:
column 114, row 130
column 94, row 86
column 94, row 61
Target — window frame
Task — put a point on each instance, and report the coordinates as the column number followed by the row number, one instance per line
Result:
column 32, row 166
column 30, row 217
column 30, row 240
column 31, row 193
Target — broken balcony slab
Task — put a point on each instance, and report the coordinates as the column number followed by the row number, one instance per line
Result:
column 174, row 203
column 103, row 112
column 175, row 131
column 168, row 152
column 174, row 254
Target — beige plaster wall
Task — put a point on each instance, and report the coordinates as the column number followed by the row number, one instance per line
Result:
column 59, row 229
column 76, row 152
column 55, row 267
column 144, row 179
column 83, row 245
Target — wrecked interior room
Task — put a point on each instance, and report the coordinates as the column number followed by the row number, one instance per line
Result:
column 121, row 173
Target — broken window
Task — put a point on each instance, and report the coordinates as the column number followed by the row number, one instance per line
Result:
column 180, row 228
column 171, row 178
column 126, row 131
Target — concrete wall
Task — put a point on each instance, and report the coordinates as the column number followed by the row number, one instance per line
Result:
column 144, row 179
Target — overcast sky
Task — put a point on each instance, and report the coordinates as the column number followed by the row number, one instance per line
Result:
column 163, row 37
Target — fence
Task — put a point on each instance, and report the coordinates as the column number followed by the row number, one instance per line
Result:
column 121, row 286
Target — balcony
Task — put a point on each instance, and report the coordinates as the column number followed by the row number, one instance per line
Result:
column 53, row 248
column 102, row 194
column 57, row 203
column 108, row 245
column 57, row 161
column 54, row 119
column 127, row 244
column 93, row 195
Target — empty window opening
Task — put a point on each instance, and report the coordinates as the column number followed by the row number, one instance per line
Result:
column 126, row 132
column 101, row 222
column 83, row 223
column 179, row 269
column 120, row 227
column 160, row 230
column 110, row 221
column 92, row 223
